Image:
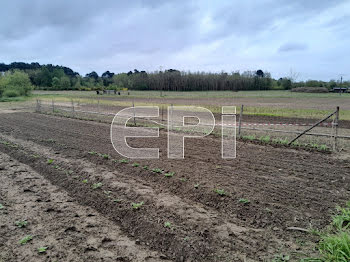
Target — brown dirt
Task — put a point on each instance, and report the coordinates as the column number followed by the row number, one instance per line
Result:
column 285, row 188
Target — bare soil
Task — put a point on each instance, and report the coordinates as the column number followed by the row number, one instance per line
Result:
column 286, row 188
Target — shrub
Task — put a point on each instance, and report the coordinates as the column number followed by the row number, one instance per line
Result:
column 15, row 84
column 307, row 89
column 10, row 93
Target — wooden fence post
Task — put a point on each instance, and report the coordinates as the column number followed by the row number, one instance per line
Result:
column 73, row 111
column 162, row 113
column 240, row 121
column 98, row 105
column 336, row 123
column 37, row 106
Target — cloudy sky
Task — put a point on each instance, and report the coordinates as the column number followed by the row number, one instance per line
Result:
column 307, row 38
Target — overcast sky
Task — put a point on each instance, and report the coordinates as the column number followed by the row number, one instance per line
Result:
column 310, row 38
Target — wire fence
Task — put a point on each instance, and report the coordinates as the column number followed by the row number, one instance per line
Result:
column 325, row 131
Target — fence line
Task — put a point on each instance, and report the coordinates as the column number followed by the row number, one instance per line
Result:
column 240, row 125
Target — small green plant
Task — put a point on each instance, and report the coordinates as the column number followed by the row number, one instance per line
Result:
column 117, row 200
column 123, row 161
column 135, row 164
column 281, row 258
column 170, row 174
column 42, row 250
column 25, row 240
column 196, row 186
column 264, row 139
column 137, row 205
column 22, row 223
column 280, row 141
column 107, row 192
column 249, row 137
column 56, row 167
column 50, row 161
column 145, row 167
column 182, row 179
column 244, row 201
column 157, row 170
column 85, row 181
column 92, row 153
column 220, row 192
column 97, row 185
column 1, row 206
column 323, row 148
column 167, row 224
column 68, row 172
column 35, row 156
column 105, row 156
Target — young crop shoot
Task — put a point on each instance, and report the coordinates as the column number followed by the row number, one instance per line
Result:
column 137, row 205
column 196, row 186
column 123, row 161
column 220, row 192
column 244, row 201
column 97, row 185
column 92, row 153
column 157, row 170
column 25, row 240
column 21, row 224
column 167, row 225
column 170, row 174
column 42, row 250
column 1, row 206
column 85, row 181
column 50, row 161
column 145, row 167
column 135, row 164
column 105, row 156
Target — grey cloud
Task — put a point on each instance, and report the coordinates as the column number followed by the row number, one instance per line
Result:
column 122, row 35
column 289, row 47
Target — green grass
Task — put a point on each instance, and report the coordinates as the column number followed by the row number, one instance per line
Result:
column 2, row 207
column 50, row 161
column 86, row 97
column 334, row 244
column 15, row 99
column 135, row 164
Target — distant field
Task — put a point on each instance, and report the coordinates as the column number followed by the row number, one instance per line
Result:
column 264, row 103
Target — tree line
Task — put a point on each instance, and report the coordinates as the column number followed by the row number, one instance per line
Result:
column 53, row 77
